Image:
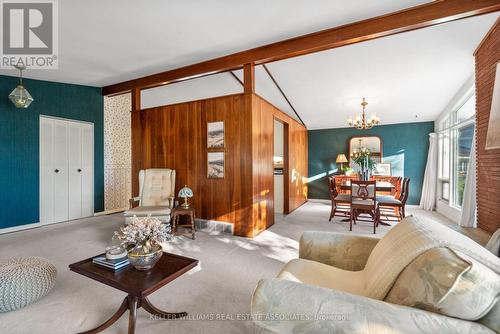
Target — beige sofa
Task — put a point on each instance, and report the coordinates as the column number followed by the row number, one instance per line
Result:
column 156, row 195
column 422, row 277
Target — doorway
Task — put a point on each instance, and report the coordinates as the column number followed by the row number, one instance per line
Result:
column 280, row 165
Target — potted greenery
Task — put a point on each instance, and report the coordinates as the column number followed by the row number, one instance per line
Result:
column 365, row 162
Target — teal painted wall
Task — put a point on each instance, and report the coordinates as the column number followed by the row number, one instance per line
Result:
column 405, row 146
column 19, row 143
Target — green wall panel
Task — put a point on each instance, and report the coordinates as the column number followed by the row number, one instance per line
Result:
column 405, row 146
column 19, row 143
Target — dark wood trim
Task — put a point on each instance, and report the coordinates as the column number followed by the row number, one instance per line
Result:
column 249, row 78
column 236, row 78
column 283, row 93
column 426, row 15
column 136, row 99
column 286, row 169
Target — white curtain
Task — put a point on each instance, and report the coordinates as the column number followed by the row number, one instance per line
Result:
column 468, row 218
column 428, row 199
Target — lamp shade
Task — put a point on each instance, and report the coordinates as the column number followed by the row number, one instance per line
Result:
column 185, row 192
column 341, row 158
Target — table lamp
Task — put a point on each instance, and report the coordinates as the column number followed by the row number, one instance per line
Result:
column 341, row 159
column 185, row 193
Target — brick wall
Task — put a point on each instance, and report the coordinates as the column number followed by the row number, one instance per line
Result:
column 488, row 161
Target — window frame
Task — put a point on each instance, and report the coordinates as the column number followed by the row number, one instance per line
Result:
column 449, row 126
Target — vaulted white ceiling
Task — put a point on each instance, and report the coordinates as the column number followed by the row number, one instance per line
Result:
column 406, row 77
column 102, row 42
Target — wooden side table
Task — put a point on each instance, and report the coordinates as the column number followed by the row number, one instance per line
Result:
column 182, row 211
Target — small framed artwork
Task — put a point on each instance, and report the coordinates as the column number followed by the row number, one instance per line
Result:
column 493, row 133
column 382, row 169
column 215, row 135
column 215, row 165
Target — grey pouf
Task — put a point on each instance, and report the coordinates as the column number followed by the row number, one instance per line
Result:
column 24, row 281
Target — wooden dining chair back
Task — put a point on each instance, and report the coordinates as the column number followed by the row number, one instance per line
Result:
column 339, row 179
column 398, row 204
column 363, row 200
column 405, row 193
column 394, row 180
column 338, row 200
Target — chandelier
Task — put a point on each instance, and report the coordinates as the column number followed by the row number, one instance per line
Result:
column 20, row 96
column 361, row 122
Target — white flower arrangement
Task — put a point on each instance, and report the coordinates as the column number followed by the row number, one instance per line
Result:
column 145, row 231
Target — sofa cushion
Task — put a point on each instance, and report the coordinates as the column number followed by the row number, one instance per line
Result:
column 447, row 282
column 408, row 240
column 322, row 275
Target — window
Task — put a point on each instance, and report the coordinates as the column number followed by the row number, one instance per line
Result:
column 463, row 146
column 455, row 134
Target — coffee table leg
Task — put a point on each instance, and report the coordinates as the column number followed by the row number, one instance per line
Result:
column 110, row 321
column 146, row 304
column 132, row 305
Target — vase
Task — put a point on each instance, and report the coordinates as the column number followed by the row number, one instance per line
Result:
column 144, row 257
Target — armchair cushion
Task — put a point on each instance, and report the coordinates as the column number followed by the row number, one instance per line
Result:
column 154, row 211
column 319, row 274
column 409, row 239
column 289, row 307
column 343, row 251
column 447, row 282
column 156, row 186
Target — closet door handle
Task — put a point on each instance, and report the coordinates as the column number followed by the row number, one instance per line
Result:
column 56, row 170
column 79, row 170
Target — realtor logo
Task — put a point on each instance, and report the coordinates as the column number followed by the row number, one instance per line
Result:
column 29, row 34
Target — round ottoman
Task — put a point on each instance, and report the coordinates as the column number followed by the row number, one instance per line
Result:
column 24, row 281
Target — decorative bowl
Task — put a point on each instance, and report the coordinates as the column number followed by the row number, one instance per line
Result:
column 144, row 261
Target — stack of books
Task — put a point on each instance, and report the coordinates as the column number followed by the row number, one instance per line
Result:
column 114, row 265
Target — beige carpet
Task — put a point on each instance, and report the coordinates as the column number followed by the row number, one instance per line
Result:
column 221, row 286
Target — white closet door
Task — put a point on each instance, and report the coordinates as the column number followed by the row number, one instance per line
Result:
column 87, row 170
column 47, row 176
column 60, row 159
column 75, row 169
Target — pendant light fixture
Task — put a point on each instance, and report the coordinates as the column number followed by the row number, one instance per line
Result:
column 20, row 96
column 361, row 122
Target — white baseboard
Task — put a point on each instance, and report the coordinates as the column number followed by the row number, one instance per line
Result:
column 19, row 228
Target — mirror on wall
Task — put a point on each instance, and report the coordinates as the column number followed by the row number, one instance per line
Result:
column 373, row 143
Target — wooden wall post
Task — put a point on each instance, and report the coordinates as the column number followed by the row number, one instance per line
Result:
column 136, row 139
column 249, row 78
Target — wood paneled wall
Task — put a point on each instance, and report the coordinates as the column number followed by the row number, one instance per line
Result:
column 488, row 161
column 295, row 172
column 175, row 136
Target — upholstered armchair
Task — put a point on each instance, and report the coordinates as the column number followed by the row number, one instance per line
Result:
column 156, row 195
column 422, row 277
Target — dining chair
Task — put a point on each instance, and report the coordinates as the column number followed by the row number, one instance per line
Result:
column 363, row 200
column 398, row 204
column 339, row 179
column 338, row 200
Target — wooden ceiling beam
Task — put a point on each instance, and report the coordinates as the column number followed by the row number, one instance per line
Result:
column 426, row 15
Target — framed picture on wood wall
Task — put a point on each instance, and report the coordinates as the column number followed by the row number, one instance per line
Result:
column 493, row 134
column 215, row 135
column 215, row 165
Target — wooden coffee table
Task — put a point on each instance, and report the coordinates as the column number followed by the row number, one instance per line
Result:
column 137, row 284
